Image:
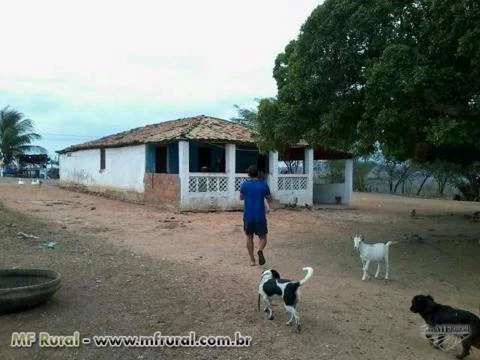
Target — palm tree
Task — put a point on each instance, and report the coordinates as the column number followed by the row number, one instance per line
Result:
column 16, row 134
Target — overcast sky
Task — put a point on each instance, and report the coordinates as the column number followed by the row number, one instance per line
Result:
column 84, row 69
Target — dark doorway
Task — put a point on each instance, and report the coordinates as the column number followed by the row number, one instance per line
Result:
column 262, row 163
column 205, row 158
column 161, row 159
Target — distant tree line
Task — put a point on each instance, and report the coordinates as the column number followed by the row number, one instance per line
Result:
column 436, row 179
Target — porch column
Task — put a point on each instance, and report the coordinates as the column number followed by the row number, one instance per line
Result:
column 348, row 181
column 273, row 172
column 309, row 171
column 183, row 172
column 230, row 165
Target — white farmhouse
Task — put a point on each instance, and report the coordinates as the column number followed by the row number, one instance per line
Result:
column 198, row 163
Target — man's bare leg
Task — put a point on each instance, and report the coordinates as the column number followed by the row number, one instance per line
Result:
column 261, row 245
column 250, row 249
column 262, row 242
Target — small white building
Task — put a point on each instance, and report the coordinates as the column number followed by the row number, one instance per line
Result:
column 199, row 163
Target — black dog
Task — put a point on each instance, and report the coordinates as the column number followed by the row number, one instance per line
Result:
column 436, row 314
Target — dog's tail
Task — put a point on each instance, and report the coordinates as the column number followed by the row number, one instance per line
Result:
column 391, row 243
column 309, row 271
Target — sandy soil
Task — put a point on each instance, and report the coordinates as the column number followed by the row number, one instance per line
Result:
column 133, row 269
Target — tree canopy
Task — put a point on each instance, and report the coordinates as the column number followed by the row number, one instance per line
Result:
column 403, row 75
column 246, row 117
column 16, row 134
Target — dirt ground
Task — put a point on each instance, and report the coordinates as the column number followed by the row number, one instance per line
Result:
column 133, row 269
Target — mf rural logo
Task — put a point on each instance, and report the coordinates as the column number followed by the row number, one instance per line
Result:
column 445, row 337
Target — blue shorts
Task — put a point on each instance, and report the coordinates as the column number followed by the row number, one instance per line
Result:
column 258, row 228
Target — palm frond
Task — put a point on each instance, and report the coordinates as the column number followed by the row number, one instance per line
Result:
column 16, row 134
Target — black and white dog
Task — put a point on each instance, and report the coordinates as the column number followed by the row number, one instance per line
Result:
column 271, row 284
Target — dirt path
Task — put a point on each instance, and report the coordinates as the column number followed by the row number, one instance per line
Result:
column 131, row 269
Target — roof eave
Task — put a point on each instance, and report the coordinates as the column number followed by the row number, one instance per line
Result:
column 164, row 142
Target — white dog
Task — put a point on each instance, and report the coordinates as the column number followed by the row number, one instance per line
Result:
column 271, row 284
column 372, row 252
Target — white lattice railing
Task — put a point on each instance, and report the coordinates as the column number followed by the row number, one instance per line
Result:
column 239, row 180
column 292, row 182
column 212, row 183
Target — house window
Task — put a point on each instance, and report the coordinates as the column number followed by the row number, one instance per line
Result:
column 102, row 159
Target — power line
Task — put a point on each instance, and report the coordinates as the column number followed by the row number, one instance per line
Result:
column 64, row 139
column 72, row 135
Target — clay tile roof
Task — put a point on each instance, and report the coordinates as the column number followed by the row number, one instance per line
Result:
column 199, row 128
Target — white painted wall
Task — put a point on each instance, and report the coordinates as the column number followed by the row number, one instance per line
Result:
column 288, row 197
column 309, row 159
column 124, row 168
column 230, row 165
column 273, row 172
column 183, row 173
column 219, row 200
column 206, row 200
column 325, row 193
column 348, row 181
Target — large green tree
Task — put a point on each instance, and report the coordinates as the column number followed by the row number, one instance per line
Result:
column 403, row 75
column 16, row 134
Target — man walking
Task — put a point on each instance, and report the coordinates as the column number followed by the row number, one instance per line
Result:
column 254, row 192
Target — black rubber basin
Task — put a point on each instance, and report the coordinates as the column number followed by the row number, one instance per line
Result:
column 22, row 289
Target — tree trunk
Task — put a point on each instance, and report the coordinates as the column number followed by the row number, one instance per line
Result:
column 401, row 179
column 359, row 183
column 423, row 183
column 397, row 184
column 441, row 185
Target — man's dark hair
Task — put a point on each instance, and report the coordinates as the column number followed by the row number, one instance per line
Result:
column 252, row 171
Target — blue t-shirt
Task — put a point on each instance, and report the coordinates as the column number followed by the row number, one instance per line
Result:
column 254, row 192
